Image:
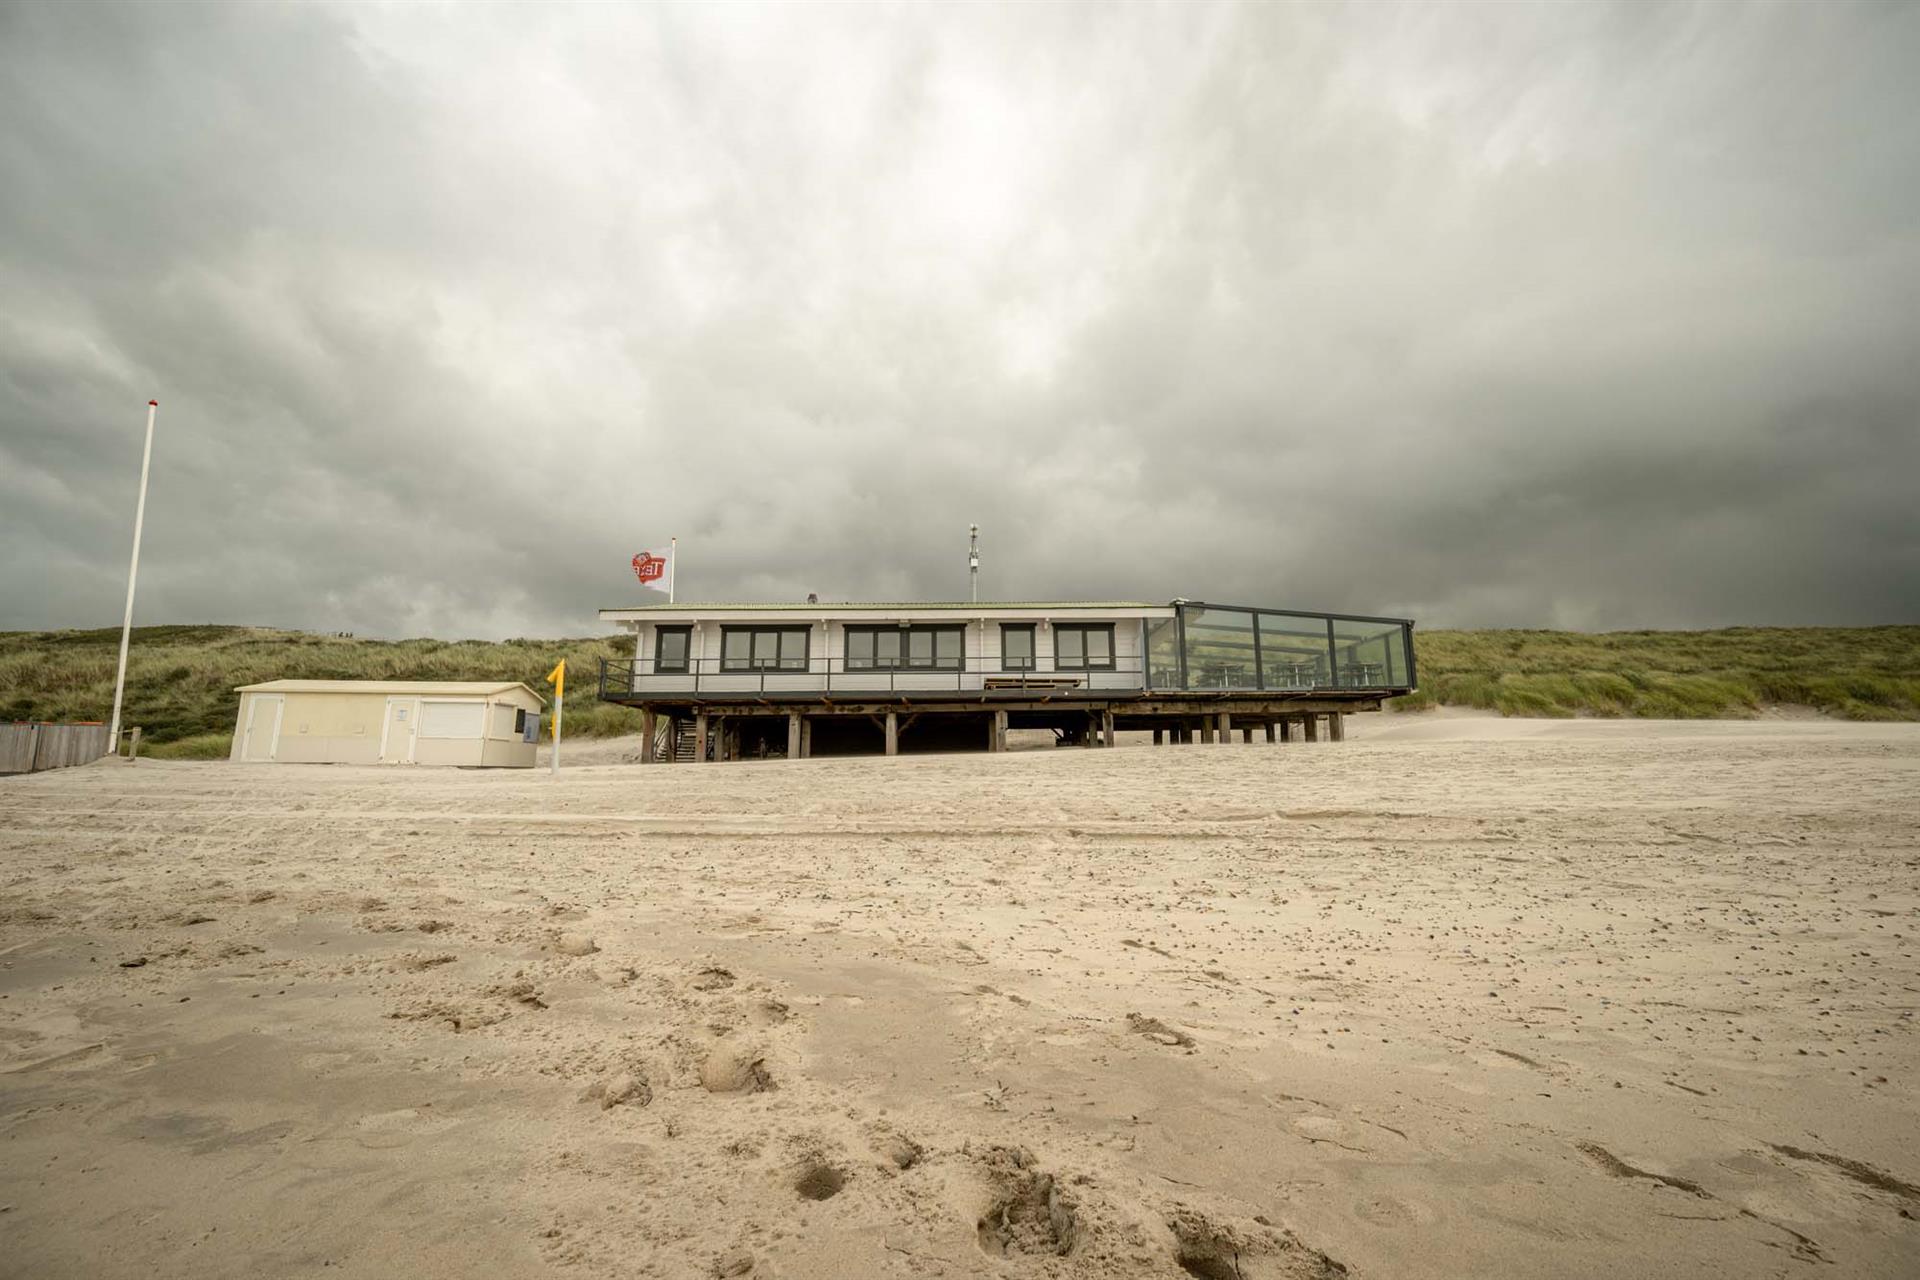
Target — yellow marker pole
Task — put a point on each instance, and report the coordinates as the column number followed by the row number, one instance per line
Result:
column 558, row 679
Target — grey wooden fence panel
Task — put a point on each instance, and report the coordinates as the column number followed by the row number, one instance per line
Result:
column 17, row 742
column 25, row 748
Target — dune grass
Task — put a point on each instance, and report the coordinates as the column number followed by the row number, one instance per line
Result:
column 1859, row 673
column 181, row 679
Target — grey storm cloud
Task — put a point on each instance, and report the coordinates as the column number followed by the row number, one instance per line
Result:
column 1585, row 315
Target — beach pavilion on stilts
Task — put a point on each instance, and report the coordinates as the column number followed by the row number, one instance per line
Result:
column 732, row 681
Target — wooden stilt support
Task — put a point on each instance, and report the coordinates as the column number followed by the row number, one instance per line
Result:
column 1246, row 733
column 1312, row 724
column 1337, row 726
column 793, row 734
column 1286, row 728
column 700, row 729
column 1106, row 728
column 1206, row 733
column 1269, row 731
column 806, row 738
column 893, row 733
column 646, row 735
column 1156, row 736
column 999, row 731
column 1226, row 728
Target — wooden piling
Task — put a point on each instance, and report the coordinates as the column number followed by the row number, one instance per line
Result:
column 893, row 733
column 646, row 735
column 794, row 719
column 700, row 736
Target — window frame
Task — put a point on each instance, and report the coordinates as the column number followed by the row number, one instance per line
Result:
column 686, row 653
column 873, row 661
column 902, row 658
column 1032, row 632
column 758, row 660
column 1083, row 629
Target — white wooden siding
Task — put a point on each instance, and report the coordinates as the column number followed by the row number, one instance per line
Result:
column 827, row 649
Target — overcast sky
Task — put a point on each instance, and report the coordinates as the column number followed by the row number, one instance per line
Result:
column 1571, row 315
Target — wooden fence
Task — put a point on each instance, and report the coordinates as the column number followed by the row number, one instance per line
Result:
column 27, row 748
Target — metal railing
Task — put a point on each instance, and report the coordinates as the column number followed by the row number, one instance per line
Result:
column 627, row 677
column 1271, row 677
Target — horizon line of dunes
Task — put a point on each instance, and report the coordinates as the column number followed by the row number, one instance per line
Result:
column 180, row 679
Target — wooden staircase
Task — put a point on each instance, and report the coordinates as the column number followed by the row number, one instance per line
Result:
column 669, row 745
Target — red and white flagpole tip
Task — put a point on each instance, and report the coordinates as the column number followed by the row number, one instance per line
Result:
column 154, row 403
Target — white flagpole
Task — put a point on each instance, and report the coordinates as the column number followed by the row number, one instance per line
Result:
column 673, row 565
column 133, row 576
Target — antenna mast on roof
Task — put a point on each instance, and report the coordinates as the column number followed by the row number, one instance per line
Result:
column 973, row 561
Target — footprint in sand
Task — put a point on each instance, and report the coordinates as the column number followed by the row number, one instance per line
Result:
column 1212, row 1249
column 1029, row 1213
column 1391, row 1211
column 815, row 1179
column 385, row 1130
column 1331, row 1130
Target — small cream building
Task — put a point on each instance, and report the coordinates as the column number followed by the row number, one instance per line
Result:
column 448, row 722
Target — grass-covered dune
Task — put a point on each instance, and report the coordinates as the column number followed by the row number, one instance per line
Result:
column 180, row 679
column 1860, row 673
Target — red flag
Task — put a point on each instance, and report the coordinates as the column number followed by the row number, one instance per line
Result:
column 651, row 569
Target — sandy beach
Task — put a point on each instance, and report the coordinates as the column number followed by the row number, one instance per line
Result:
column 1457, row 997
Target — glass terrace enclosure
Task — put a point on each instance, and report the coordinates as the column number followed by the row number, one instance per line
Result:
column 1208, row 646
column 1089, row 651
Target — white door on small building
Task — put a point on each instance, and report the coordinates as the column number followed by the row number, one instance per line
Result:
column 401, row 728
column 262, row 741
